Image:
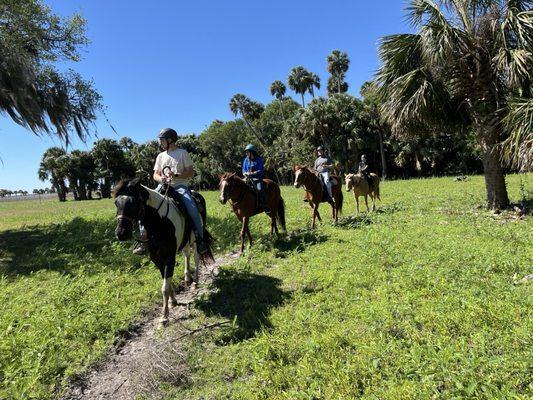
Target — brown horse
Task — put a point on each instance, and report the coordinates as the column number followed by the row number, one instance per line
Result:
column 243, row 201
column 360, row 187
column 312, row 184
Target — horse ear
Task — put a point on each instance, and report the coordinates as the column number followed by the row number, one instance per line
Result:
column 135, row 182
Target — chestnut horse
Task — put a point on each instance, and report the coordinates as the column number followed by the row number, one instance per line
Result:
column 314, row 191
column 243, row 201
column 360, row 187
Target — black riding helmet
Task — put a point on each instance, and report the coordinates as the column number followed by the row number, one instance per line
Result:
column 169, row 134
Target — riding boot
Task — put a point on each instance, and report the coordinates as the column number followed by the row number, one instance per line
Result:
column 141, row 247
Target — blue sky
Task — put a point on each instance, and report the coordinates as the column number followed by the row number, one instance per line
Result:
column 177, row 63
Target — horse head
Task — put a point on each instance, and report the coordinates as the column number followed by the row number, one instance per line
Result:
column 299, row 175
column 227, row 185
column 130, row 200
column 352, row 181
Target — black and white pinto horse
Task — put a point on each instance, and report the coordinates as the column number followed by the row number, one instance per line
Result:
column 168, row 231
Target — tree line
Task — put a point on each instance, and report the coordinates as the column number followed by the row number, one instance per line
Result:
column 286, row 132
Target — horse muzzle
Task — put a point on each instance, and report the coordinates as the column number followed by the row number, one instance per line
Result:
column 122, row 234
column 222, row 200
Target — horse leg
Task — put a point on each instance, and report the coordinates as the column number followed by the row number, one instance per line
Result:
column 366, row 203
column 173, row 301
column 243, row 233
column 166, row 289
column 249, row 234
column 196, row 264
column 373, row 197
column 187, row 269
column 356, row 204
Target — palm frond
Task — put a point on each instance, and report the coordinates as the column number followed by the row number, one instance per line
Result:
column 399, row 54
column 517, row 150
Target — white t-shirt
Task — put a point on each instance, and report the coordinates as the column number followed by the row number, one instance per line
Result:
column 177, row 160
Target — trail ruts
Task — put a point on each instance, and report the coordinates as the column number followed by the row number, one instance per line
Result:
column 125, row 371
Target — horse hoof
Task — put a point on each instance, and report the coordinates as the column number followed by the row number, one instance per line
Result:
column 163, row 322
column 173, row 303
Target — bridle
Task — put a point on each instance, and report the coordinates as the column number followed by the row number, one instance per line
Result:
column 234, row 203
column 132, row 220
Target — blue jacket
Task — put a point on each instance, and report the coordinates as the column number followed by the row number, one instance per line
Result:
column 255, row 166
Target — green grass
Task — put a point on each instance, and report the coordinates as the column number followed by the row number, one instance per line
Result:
column 415, row 301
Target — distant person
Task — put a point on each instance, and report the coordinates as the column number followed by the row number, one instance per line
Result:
column 253, row 169
column 323, row 165
column 181, row 170
column 364, row 171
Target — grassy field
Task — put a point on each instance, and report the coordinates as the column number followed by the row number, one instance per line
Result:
column 414, row 301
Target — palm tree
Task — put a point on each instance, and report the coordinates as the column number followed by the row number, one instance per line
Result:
column 277, row 89
column 336, row 85
column 313, row 81
column 338, row 64
column 298, row 81
column 468, row 68
column 249, row 110
column 51, row 168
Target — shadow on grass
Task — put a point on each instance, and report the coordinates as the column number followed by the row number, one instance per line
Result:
column 61, row 247
column 246, row 298
column 365, row 218
column 294, row 241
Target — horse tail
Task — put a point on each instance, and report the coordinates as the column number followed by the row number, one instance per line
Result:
column 280, row 213
column 376, row 191
column 341, row 200
column 208, row 257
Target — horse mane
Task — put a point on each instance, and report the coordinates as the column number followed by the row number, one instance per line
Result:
column 232, row 175
column 124, row 185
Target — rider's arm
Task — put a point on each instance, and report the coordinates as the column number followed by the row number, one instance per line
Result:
column 245, row 166
column 259, row 167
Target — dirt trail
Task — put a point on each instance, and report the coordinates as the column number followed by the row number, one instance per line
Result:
column 125, row 371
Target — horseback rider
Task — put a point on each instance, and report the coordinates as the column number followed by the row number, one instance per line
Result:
column 363, row 170
column 253, row 170
column 181, row 170
column 323, row 165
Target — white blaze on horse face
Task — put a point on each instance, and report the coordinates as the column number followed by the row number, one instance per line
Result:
column 297, row 178
column 223, row 190
column 349, row 183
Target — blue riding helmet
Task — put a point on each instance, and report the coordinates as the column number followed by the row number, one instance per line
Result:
column 251, row 147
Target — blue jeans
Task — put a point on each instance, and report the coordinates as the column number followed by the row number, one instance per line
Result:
column 188, row 201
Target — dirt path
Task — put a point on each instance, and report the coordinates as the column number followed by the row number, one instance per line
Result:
column 126, row 370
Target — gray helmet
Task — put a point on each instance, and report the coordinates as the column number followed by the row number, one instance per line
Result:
column 320, row 148
column 169, row 134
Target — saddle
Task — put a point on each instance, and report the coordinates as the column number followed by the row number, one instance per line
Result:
column 250, row 183
column 334, row 181
column 188, row 229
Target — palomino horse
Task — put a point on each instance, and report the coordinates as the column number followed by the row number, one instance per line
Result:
column 168, row 230
column 312, row 184
column 243, row 201
column 360, row 187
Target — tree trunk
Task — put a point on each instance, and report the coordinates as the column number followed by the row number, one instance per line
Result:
column 497, row 197
column 339, row 84
column 281, row 108
column 383, row 160
column 303, row 102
